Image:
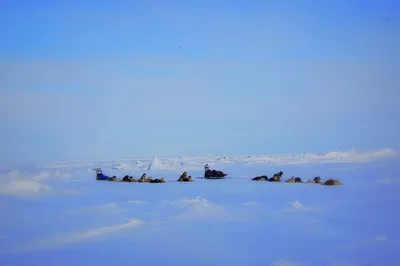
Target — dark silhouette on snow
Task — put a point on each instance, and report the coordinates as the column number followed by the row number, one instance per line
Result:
column 276, row 177
column 332, row 182
column 294, row 179
column 213, row 174
column 158, row 180
column 260, row 178
column 315, row 180
column 185, row 178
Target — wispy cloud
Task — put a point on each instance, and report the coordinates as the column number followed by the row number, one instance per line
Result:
column 102, row 231
column 23, row 187
column 137, row 202
column 253, row 203
column 342, row 263
column 104, row 208
column 90, row 235
column 381, row 238
column 388, row 180
column 297, row 206
column 285, row 262
column 71, row 192
column 201, row 208
column 18, row 184
column 42, row 175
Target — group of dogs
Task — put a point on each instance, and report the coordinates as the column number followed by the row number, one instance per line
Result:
column 145, row 179
column 316, row 180
column 142, row 179
column 185, row 178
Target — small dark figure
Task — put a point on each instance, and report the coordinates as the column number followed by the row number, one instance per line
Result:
column 291, row 180
column 332, row 182
column 315, row 180
column 158, row 180
column 276, row 177
column 142, row 178
column 260, row 178
column 113, row 178
column 184, row 178
column 298, row 180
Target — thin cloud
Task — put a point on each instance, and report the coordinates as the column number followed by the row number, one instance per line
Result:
column 71, row 192
column 93, row 234
column 388, row 180
column 42, row 175
column 381, row 238
column 285, row 262
column 297, row 206
column 102, row 231
column 200, row 208
column 253, row 203
column 104, row 208
column 24, row 188
column 16, row 184
column 137, row 202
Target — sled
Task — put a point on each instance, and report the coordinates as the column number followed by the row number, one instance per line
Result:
column 100, row 175
column 213, row 174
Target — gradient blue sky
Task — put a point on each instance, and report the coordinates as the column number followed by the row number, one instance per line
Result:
column 86, row 80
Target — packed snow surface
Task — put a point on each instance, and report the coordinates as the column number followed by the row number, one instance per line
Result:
column 58, row 214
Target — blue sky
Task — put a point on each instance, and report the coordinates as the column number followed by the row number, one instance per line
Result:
column 83, row 80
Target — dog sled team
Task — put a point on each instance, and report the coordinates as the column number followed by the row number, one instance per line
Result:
column 214, row 174
column 316, row 180
column 142, row 179
column 211, row 174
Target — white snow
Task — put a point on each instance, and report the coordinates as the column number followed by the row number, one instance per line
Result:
column 15, row 184
column 197, row 163
column 155, row 164
column 49, row 217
